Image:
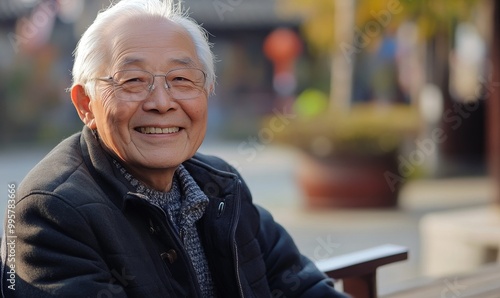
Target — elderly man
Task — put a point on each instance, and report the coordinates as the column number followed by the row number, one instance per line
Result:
column 127, row 208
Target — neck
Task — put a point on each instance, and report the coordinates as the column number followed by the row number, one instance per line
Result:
column 157, row 179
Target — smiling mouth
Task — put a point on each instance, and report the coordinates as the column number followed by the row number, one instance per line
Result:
column 157, row 130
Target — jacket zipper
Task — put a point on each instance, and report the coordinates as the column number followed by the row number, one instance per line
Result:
column 181, row 247
column 235, row 247
column 238, row 278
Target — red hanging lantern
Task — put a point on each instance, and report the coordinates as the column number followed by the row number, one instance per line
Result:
column 282, row 47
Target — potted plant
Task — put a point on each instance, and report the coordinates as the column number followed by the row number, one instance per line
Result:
column 346, row 156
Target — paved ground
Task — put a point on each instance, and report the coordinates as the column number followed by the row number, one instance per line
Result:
column 319, row 233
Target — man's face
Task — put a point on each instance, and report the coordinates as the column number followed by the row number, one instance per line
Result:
column 124, row 127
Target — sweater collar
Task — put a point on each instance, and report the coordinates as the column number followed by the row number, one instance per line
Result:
column 185, row 203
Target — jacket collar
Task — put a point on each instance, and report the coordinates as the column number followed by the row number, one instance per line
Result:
column 213, row 176
column 101, row 168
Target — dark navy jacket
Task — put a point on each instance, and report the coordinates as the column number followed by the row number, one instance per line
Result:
column 81, row 232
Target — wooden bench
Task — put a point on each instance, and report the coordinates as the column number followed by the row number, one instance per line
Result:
column 358, row 273
column 358, row 270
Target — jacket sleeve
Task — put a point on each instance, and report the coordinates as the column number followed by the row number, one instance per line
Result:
column 52, row 253
column 290, row 274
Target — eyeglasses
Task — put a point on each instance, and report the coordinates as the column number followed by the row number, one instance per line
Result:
column 135, row 85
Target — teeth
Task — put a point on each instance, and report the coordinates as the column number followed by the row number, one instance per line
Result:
column 158, row 130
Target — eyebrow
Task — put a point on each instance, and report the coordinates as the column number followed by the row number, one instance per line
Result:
column 183, row 61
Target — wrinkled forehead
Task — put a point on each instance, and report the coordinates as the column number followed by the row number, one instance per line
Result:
column 151, row 43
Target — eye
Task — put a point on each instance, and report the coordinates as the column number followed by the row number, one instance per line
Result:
column 133, row 80
column 185, row 78
column 180, row 79
column 131, row 77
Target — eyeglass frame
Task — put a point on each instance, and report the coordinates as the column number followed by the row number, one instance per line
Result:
column 151, row 86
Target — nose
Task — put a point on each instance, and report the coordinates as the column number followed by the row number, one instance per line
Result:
column 159, row 98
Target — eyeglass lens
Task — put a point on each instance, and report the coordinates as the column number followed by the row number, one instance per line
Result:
column 135, row 85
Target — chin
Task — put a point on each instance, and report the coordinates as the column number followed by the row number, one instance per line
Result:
column 165, row 163
column 162, row 158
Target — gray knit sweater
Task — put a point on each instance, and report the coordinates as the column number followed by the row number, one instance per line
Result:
column 185, row 204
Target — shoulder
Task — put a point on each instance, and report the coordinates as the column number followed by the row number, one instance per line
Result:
column 55, row 168
column 60, row 174
column 218, row 169
column 211, row 161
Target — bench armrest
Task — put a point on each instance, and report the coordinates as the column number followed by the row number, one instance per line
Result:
column 358, row 270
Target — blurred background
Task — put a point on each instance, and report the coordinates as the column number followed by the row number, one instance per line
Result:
column 358, row 123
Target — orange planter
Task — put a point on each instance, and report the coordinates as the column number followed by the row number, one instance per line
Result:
column 348, row 181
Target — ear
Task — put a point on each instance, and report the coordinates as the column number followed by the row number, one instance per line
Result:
column 82, row 103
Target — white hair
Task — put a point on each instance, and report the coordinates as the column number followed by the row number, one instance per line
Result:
column 89, row 54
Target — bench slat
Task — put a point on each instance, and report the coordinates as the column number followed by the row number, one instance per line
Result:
column 358, row 270
column 480, row 283
column 361, row 262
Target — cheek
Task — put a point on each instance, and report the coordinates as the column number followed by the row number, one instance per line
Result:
column 201, row 119
column 106, row 93
column 203, row 114
column 201, row 111
column 115, row 115
column 108, row 101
